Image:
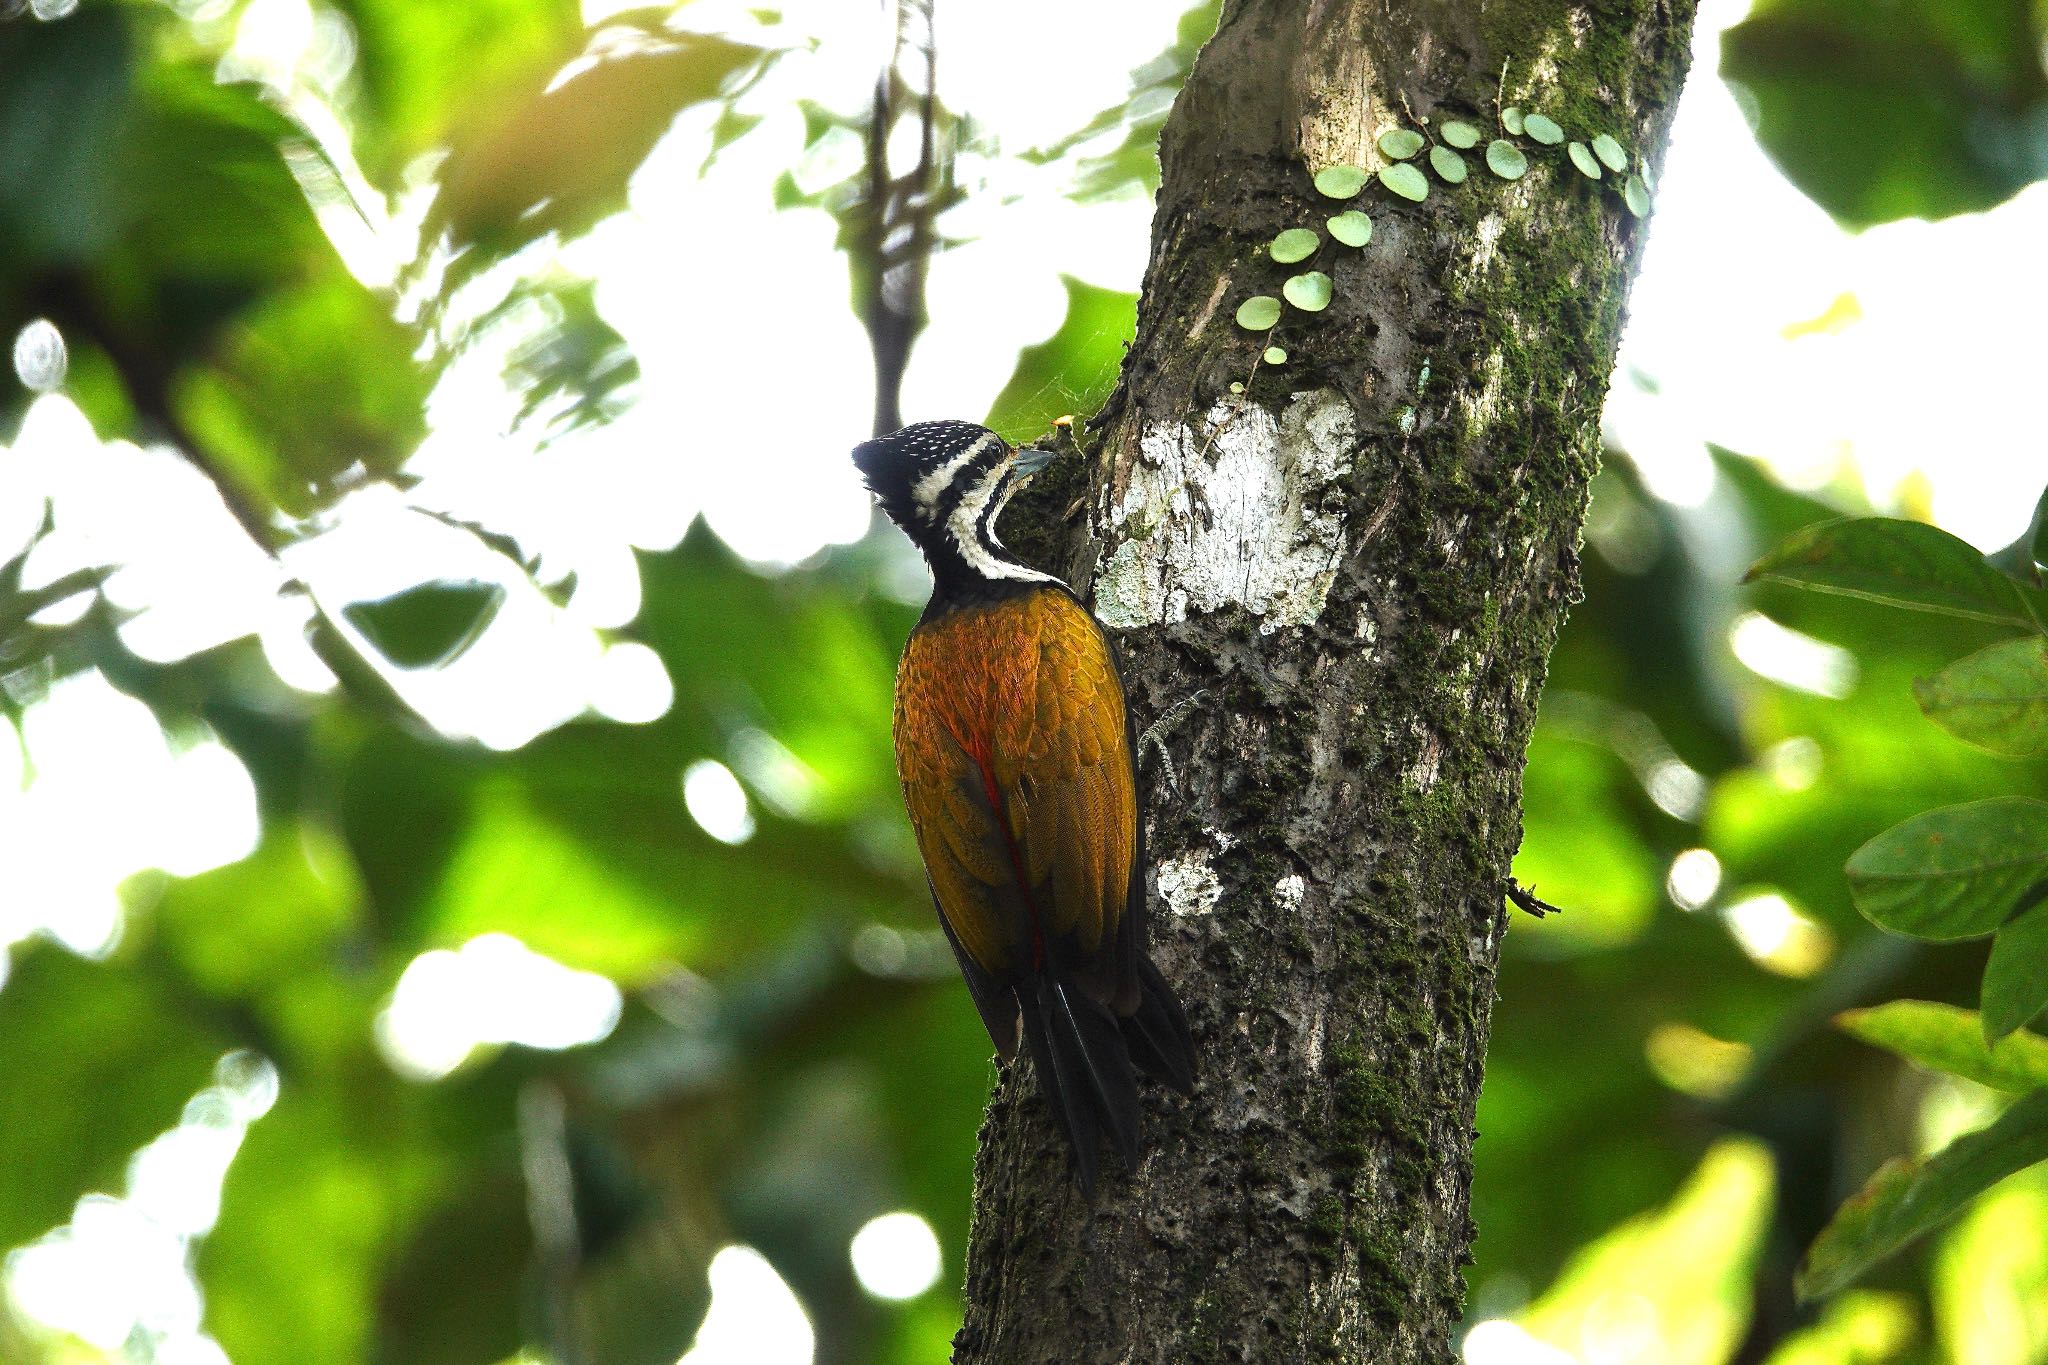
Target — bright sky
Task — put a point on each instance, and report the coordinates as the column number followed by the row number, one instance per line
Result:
column 756, row 381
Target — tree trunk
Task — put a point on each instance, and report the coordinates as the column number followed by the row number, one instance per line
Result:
column 1336, row 593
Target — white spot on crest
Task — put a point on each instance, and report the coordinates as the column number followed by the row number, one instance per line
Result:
column 1287, row 892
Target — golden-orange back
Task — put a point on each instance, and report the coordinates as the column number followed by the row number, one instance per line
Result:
column 1012, row 748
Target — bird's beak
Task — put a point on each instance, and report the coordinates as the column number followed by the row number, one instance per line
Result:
column 1030, row 461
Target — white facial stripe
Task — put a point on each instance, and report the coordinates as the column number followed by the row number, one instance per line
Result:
column 965, row 528
column 927, row 489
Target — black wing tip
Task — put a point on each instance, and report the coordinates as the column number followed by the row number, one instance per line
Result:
column 1157, row 1032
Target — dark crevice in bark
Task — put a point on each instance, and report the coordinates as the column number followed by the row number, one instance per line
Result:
column 1335, row 798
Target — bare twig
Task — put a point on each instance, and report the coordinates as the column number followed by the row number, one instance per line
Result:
column 894, row 246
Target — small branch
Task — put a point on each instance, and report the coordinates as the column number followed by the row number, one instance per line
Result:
column 895, row 245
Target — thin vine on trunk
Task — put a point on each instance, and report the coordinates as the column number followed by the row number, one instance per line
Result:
column 1335, row 591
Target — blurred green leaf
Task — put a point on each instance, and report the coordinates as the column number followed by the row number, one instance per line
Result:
column 1601, row 866
column 1918, row 109
column 1511, row 119
column 1862, row 1328
column 1989, row 1278
column 514, row 869
column 99, row 1057
column 325, row 1190
column 1583, row 159
column 204, row 195
column 1996, row 698
column 431, row 74
column 560, row 159
column 1901, row 563
column 428, row 626
column 1945, row 1038
column 1957, row 872
column 1449, row 166
column 1543, row 129
column 1071, row 371
column 178, row 209
column 1908, row 1198
column 459, row 1287
column 312, row 384
column 241, row 932
column 1690, row 1261
column 1635, row 192
column 2022, row 560
column 573, row 369
column 2016, row 977
column 453, row 842
column 65, row 91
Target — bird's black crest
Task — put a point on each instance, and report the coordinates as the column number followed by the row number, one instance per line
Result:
column 895, row 465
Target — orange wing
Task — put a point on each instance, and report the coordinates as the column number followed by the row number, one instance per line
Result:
column 1011, row 744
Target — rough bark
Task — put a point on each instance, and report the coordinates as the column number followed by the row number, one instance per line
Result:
column 1336, row 594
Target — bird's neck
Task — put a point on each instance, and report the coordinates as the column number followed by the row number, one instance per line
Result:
column 967, row 559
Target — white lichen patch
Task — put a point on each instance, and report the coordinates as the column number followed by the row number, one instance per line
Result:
column 1236, row 512
column 1486, row 242
column 1188, row 885
column 1288, row 890
column 1482, row 407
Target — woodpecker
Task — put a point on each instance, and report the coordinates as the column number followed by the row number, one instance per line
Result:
column 1014, row 745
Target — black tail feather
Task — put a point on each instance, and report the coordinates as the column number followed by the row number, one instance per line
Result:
column 1157, row 1033
column 1085, row 1072
column 1076, row 1116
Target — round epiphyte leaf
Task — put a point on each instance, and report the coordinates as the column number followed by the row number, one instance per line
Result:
column 1511, row 119
column 1583, row 159
column 1458, row 133
column 1449, row 166
column 1636, row 195
column 1400, row 143
column 1309, row 291
column 1339, row 182
column 1505, row 159
column 1405, row 180
column 1611, row 153
column 1258, row 312
column 1295, row 244
column 1236, row 387
column 1543, row 129
column 1276, row 355
column 1351, row 228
